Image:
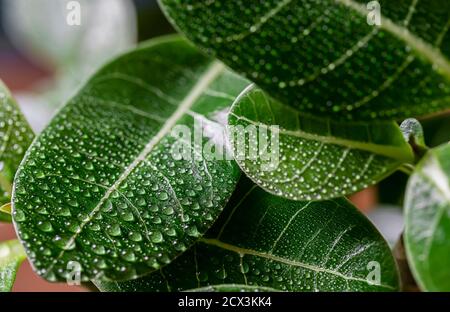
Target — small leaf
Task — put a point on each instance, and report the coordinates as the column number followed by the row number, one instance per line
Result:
column 413, row 133
column 101, row 185
column 309, row 158
column 269, row 242
column 11, row 256
column 15, row 137
column 427, row 225
column 324, row 58
column 5, row 213
column 6, row 208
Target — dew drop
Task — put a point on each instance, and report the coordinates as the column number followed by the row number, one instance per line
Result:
column 157, row 237
column 45, row 226
column 163, row 196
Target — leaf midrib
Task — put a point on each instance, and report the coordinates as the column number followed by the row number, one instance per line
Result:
column 212, row 72
column 399, row 153
column 244, row 251
column 433, row 55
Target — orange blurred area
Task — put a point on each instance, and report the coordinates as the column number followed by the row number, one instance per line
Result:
column 18, row 73
column 365, row 200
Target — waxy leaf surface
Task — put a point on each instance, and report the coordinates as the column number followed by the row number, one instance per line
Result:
column 269, row 243
column 311, row 158
column 101, row 186
column 330, row 57
column 427, row 224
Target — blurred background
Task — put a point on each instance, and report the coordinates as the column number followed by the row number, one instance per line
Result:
column 44, row 60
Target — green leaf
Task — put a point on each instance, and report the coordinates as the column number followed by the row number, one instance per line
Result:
column 413, row 133
column 6, row 208
column 5, row 213
column 101, row 185
column 11, row 256
column 266, row 241
column 427, row 225
column 324, row 58
column 310, row 158
column 15, row 137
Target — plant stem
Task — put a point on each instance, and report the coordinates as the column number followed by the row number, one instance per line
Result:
column 407, row 168
column 90, row 286
column 408, row 284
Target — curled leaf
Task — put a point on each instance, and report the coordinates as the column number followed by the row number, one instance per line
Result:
column 427, row 224
column 301, row 157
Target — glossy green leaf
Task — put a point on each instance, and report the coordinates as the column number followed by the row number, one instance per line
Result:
column 309, row 158
column 11, row 256
column 266, row 241
column 15, row 137
column 101, row 185
column 323, row 57
column 427, row 231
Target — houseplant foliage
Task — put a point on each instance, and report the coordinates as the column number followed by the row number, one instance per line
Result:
column 100, row 186
column 16, row 136
column 115, row 200
column 333, row 245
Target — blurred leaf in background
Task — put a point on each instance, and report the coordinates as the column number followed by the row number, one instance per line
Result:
column 40, row 30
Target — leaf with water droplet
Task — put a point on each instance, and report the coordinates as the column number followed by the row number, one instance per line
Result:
column 113, row 142
column 324, row 58
column 267, row 242
column 300, row 157
column 427, row 220
column 15, row 137
column 11, row 256
column 413, row 133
